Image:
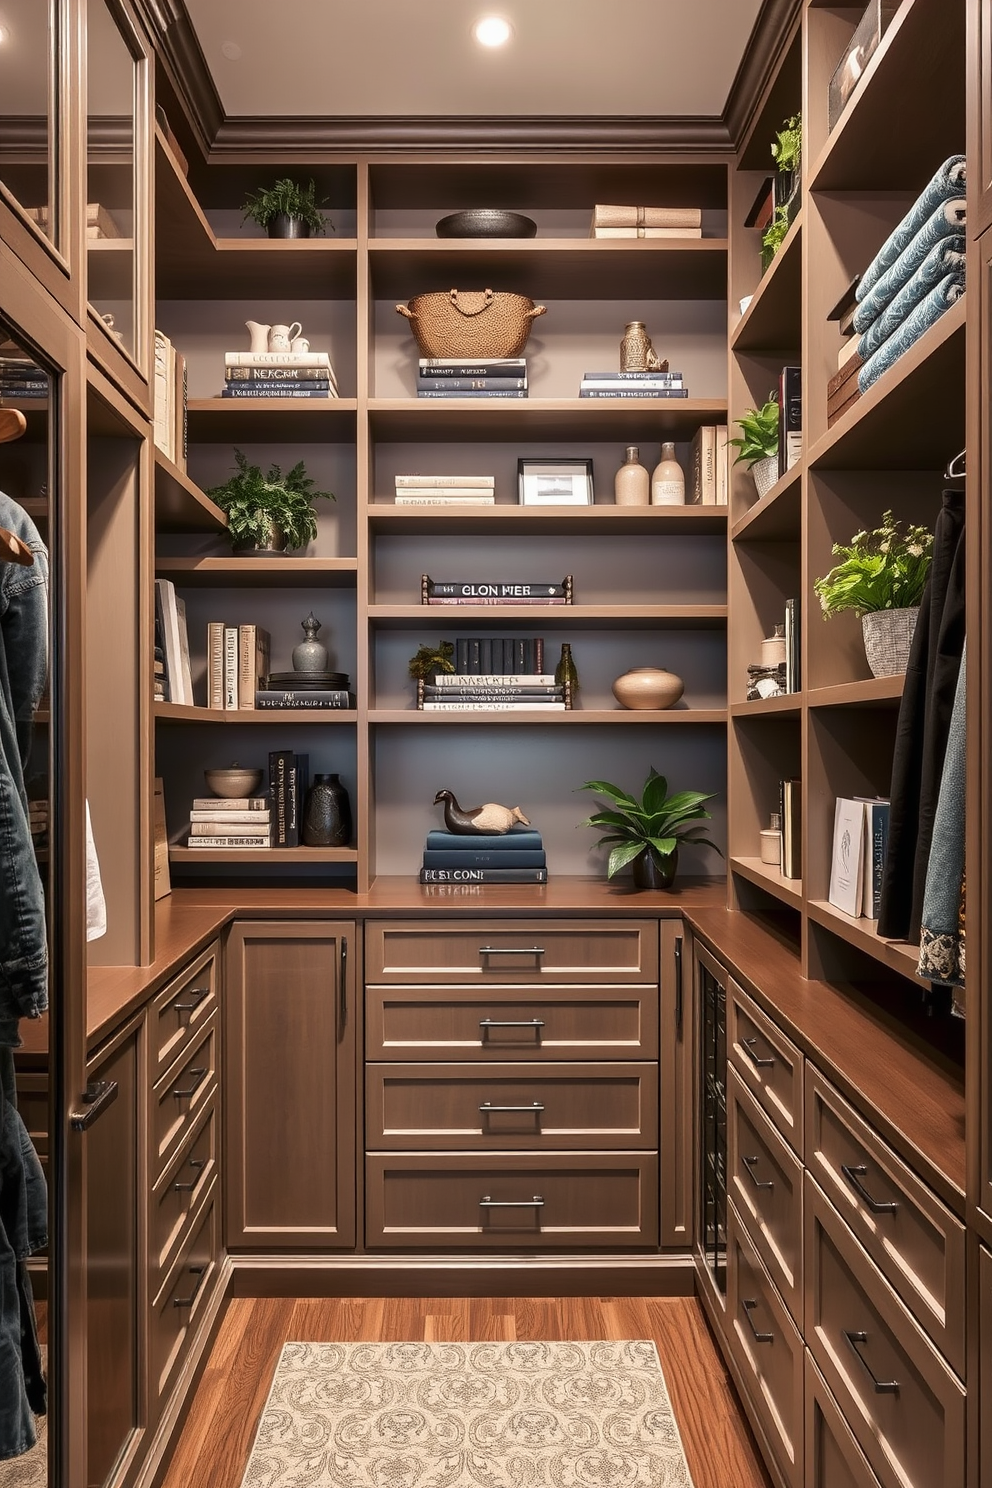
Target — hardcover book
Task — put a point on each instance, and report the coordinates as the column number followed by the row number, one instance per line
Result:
column 876, row 845
column 483, row 859
column 517, row 839
column 444, row 482
column 791, row 810
column 286, row 697
column 253, row 662
column 790, row 418
column 484, row 875
column 845, row 890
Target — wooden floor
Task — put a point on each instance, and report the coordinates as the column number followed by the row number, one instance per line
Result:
column 213, row 1449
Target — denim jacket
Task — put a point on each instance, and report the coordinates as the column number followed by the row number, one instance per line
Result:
column 23, row 671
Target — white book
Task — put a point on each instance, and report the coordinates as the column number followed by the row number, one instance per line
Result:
column 440, row 498
column 228, row 842
column 165, row 600
column 647, row 232
column 708, row 466
column 503, row 363
column 485, row 679
column 249, row 818
column 846, row 879
column 230, row 667
column 278, row 359
column 445, row 482
column 241, row 829
column 524, row 706
column 215, row 664
column 163, row 429
column 722, row 465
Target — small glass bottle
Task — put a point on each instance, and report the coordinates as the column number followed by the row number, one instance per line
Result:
column 668, row 480
column 632, row 484
column 565, row 673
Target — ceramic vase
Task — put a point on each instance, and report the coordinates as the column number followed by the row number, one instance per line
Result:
column 888, row 637
column 632, row 484
column 648, row 687
column 651, row 871
column 310, row 655
column 327, row 813
column 668, row 480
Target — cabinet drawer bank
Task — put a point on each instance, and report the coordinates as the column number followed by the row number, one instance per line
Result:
column 833, row 1457
column 179, row 1193
column 512, row 951
column 768, row 1063
column 178, row 1012
column 765, row 1181
column 181, row 1094
column 176, row 1313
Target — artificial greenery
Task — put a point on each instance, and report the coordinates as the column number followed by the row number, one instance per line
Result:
column 289, row 199
column 657, row 823
column 881, row 570
column 759, row 431
column 432, row 659
column 254, row 501
column 788, row 146
column 774, row 234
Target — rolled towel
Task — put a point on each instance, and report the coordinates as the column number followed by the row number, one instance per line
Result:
column 927, row 313
column 945, row 229
column 938, row 264
column 948, row 183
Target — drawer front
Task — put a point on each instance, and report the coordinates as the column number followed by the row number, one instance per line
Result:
column 769, row 1064
column 508, row 1023
column 181, row 1009
column 767, row 1348
column 902, row 1402
column 833, row 1457
column 176, row 1312
column 179, row 1193
column 917, row 1243
column 410, row 1107
column 181, row 1094
column 512, row 1202
column 512, row 951
column 766, row 1185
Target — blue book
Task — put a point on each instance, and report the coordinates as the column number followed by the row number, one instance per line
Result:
column 484, row 859
column 519, row 839
column 876, row 845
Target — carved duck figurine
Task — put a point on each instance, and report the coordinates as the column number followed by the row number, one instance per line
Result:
column 491, row 819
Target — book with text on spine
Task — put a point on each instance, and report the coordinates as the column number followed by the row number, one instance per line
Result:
column 303, row 698
column 480, row 858
column 240, row 844
column 441, row 482
column 279, row 359
column 484, row 875
column 232, row 803
column 442, row 498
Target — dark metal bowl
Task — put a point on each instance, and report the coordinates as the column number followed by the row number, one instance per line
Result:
column 486, row 222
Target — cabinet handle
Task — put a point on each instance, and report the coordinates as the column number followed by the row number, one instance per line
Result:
column 199, row 1272
column 533, row 1023
column 881, row 1387
column 197, row 994
column 749, row 1304
column 875, row 1205
column 98, row 1095
column 535, row 1203
column 748, row 1046
column 487, row 1108
column 678, row 984
column 343, row 987
column 512, row 951
column 749, row 1164
column 195, row 1163
column 199, row 1075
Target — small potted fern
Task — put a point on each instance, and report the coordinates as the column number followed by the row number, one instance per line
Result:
column 757, row 445
column 287, row 210
column 881, row 577
column 269, row 512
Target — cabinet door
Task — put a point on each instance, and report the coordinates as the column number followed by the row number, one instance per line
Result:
column 290, row 1088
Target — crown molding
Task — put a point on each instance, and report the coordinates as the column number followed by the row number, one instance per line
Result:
column 180, row 53
column 772, row 34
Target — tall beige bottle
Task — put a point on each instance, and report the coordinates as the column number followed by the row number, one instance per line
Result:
column 668, row 480
column 632, row 484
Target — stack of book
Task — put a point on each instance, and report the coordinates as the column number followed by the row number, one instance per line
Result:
column 171, row 432
column 494, row 592
column 487, row 377
column 646, row 222
column 498, row 656
column 633, row 385
column 241, row 822
column 172, row 636
column 279, row 374
column 304, row 690
column 22, row 380
column 515, row 857
column 237, row 664
column 497, row 692
column 445, row 490
column 857, row 866
column 289, row 781
column 842, row 389
column 709, row 467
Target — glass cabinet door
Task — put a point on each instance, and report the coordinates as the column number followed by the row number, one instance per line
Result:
column 28, row 59
column 713, row 1126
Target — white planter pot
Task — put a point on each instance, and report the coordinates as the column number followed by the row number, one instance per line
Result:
column 765, row 474
column 888, row 636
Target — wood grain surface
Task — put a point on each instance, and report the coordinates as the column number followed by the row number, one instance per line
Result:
column 213, row 1449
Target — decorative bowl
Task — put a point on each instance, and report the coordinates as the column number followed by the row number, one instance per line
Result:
column 648, row 687
column 233, row 782
column 486, row 222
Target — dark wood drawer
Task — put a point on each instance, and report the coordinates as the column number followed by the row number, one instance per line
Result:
column 766, row 1185
column 181, row 1009
column 833, row 1457
column 903, row 1404
column 512, row 951
column 179, row 1193
column 507, row 1023
column 180, row 1095
column 176, row 1313
column 769, row 1064
column 767, row 1348
column 411, row 1107
column 512, row 1201
column 915, row 1241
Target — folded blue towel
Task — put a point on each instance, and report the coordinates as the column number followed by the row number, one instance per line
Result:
column 945, row 230
column 938, row 264
column 927, row 313
column 949, row 182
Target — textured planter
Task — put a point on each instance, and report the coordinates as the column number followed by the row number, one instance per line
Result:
column 274, row 542
column 888, row 637
column 283, row 226
column 649, row 871
column 765, row 474
column 648, row 687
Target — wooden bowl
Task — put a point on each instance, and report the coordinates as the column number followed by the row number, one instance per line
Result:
column 233, row 782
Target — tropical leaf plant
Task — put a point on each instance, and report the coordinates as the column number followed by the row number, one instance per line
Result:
column 253, row 500
column 884, row 569
column 658, row 823
column 759, row 433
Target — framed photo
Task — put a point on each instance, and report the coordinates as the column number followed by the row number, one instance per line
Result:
column 554, row 482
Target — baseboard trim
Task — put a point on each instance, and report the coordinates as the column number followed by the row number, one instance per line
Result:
column 461, row 1276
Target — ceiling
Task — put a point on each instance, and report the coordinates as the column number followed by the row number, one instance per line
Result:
column 418, row 57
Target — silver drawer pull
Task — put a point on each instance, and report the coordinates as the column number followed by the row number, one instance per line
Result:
column 881, row 1387
column 749, row 1164
column 877, row 1206
column 198, row 1076
column 199, row 1272
column 195, row 1163
column 749, row 1304
column 512, row 951
column 197, row 994
column 533, row 1023
column 748, row 1046
column 535, row 1203
column 488, row 1109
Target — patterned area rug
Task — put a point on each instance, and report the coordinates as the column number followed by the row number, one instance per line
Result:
column 468, row 1415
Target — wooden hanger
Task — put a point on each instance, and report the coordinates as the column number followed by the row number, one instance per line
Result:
column 12, row 550
column 12, row 424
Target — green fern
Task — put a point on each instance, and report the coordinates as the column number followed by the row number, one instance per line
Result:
column 254, row 501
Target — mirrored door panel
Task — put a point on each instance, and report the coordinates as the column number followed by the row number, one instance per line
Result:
column 28, row 50
column 111, row 194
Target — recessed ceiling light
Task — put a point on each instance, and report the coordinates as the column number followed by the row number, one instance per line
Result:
column 492, row 31
column 231, row 50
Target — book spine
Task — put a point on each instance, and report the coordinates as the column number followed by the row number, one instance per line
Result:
column 215, row 664
column 606, row 215
column 525, row 859
column 222, row 842
column 257, row 820
column 293, row 801
column 465, row 706
column 484, row 875
column 442, row 482
column 519, row 839
column 246, row 666
column 487, row 589
column 879, row 849
column 231, row 803
column 230, row 667
column 708, row 457
column 271, row 388
column 662, row 384
column 185, row 666
column 495, row 694
column 286, row 699
column 508, row 603
column 426, row 393
column 494, row 367
column 280, row 391
column 496, row 679
column 260, row 373
column 161, row 399
column 790, row 418
column 471, row 384
column 277, row 359
column 179, row 412
column 278, row 767
column 665, row 378
column 722, row 465
column 221, row 829
column 442, row 498
column 587, row 392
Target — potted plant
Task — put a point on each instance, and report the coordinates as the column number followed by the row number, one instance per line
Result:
column 787, row 151
column 267, row 513
column 774, row 235
column 881, row 577
column 758, row 443
column 287, row 210
column 647, row 833
column 429, row 660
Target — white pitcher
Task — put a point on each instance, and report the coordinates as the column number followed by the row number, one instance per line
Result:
column 281, row 336
column 259, row 335
column 300, row 345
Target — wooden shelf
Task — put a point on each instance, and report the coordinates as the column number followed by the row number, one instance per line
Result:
column 641, row 520
column 773, row 320
column 899, row 955
column 554, row 268
column 180, row 505
column 183, row 713
column 596, row 420
column 870, row 692
column 914, row 416
column 256, row 573
column 787, row 706
column 109, row 268
column 307, row 420
column 572, row 716
column 776, row 517
column 256, row 855
column 557, row 617
column 789, row 890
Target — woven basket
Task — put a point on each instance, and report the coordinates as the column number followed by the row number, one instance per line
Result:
column 888, row 637
column 480, row 323
column 764, row 473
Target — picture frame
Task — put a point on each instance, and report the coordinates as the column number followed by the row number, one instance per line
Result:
column 554, row 482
